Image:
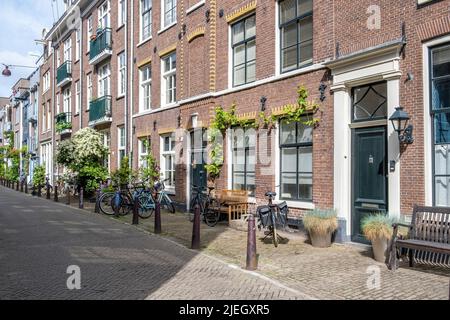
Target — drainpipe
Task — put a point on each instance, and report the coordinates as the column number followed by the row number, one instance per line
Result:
column 81, row 74
column 129, row 89
column 53, row 108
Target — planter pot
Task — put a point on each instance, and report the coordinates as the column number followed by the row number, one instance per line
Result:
column 379, row 247
column 320, row 240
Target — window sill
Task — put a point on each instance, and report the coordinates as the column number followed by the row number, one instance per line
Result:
column 298, row 204
column 160, row 109
column 195, row 7
column 143, row 42
column 167, row 27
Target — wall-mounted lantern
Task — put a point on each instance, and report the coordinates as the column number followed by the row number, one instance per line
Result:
column 400, row 121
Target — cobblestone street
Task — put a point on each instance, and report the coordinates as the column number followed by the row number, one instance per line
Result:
column 40, row 239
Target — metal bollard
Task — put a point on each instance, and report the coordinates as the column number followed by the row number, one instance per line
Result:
column 21, row 186
column 68, row 196
column 81, row 198
column 196, row 228
column 97, row 198
column 252, row 262
column 157, row 217
column 26, row 188
column 17, row 185
column 48, row 191
column 56, row 194
column 33, row 190
column 135, row 211
column 39, row 192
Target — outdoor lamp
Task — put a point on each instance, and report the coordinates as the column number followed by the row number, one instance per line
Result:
column 400, row 121
column 6, row 72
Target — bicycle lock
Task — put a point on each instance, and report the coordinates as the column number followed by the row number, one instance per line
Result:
column 252, row 261
column 196, row 228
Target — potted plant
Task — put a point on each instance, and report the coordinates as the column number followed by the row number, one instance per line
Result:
column 378, row 230
column 320, row 225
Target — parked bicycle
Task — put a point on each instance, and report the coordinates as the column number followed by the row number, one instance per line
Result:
column 163, row 197
column 209, row 206
column 271, row 216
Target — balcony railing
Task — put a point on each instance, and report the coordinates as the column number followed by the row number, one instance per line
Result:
column 64, row 73
column 100, row 111
column 64, row 122
column 100, row 46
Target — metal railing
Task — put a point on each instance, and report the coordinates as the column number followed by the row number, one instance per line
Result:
column 63, row 121
column 101, row 43
column 64, row 72
column 100, row 110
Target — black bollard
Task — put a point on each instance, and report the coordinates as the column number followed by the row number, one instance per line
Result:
column 21, row 186
column 157, row 217
column 33, row 190
column 48, row 191
column 97, row 198
column 56, row 194
column 17, row 185
column 68, row 196
column 135, row 211
column 26, row 187
column 39, row 192
column 196, row 228
column 252, row 263
column 81, row 199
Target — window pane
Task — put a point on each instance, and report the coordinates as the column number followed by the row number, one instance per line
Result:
column 306, row 52
column 442, row 191
column 251, row 72
column 238, row 181
column 166, row 144
column 289, row 35
column 304, row 6
column 251, row 50
column 250, row 27
column 305, row 159
column 442, row 159
column 251, row 183
column 238, row 32
column 238, row 160
column 289, row 57
column 441, row 62
column 239, row 55
column 305, row 29
column 288, row 133
column 251, row 160
column 370, row 102
column 442, row 128
column 305, row 186
column 289, row 160
column 288, row 185
column 441, row 94
column 239, row 75
column 304, row 134
column 287, row 10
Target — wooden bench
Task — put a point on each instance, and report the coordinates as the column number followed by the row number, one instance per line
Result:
column 234, row 203
column 429, row 231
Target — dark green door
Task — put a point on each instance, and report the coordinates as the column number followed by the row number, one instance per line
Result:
column 198, row 158
column 369, row 176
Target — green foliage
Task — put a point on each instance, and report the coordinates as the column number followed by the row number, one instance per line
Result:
column 377, row 226
column 61, row 126
column 123, row 175
column 90, row 176
column 39, row 175
column 150, row 171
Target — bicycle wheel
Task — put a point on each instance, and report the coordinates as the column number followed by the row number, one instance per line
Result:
column 146, row 205
column 212, row 213
column 274, row 231
column 105, row 203
column 167, row 203
column 125, row 206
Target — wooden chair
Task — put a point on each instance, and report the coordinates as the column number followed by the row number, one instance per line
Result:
column 234, row 203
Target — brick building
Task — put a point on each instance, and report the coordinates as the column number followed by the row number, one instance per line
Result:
column 142, row 70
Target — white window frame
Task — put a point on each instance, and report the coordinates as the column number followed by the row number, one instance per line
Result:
column 44, row 117
column 104, row 12
column 58, row 103
column 168, row 76
column 142, row 85
column 141, row 154
column 104, row 73
column 120, row 146
column 107, row 144
column 67, row 100
column 89, row 89
column 141, row 21
column 78, row 44
column 122, row 13
column 169, row 186
column 46, row 81
column 90, row 30
column 77, row 97
column 165, row 23
column 68, row 49
column 49, row 116
column 121, row 74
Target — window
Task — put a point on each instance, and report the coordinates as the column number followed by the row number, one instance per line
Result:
column 77, row 97
column 49, row 116
column 78, row 44
column 145, row 88
column 168, row 160
column 44, row 118
column 243, row 143
column 107, row 144
column 46, row 81
column 169, row 12
column 296, row 29
column 244, row 51
column 89, row 89
column 143, row 145
column 104, row 76
column 122, row 13
column 103, row 15
column 440, row 115
column 169, row 71
column 146, row 19
column 68, row 50
column 370, row 102
column 67, row 97
column 58, row 105
column 296, row 161
column 90, row 29
column 121, row 144
column 122, row 74
column 58, row 57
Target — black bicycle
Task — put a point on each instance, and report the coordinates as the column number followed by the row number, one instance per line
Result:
column 271, row 216
column 209, row 206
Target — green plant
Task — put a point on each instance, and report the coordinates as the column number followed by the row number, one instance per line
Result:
column 61, row 126
column 320, row 221
column 39, row 175
column 123, row 175
column 377, row 226
column 150, row 171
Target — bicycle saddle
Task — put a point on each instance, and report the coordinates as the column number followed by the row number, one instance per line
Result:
column 211, row 188
column 271, row 194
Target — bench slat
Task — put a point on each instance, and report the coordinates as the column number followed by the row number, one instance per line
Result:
column 424, row 245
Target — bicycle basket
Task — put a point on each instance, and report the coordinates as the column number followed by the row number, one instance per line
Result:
column 283, row 213
column 264, row 215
